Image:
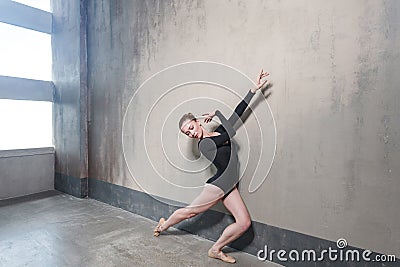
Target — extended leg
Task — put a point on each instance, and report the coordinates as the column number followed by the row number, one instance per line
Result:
column 210, row 195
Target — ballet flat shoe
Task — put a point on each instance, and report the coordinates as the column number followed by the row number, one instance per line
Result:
column 221, row 256
column 157, row 229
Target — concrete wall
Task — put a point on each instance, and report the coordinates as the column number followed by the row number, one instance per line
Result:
column 335, row 101
column 70, row 100
column 26, row 171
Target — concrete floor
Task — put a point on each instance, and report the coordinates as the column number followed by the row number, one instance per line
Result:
column 56, row 229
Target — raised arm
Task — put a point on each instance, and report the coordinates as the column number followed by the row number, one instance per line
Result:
column 229, row 131
column 226, row 133
column 240, row 108
column 227, row 124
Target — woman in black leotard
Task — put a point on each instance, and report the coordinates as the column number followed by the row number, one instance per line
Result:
column 217, row 148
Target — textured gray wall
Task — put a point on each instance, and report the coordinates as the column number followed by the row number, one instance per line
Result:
column 335, row 99
column 69, row 75
column 26, row 171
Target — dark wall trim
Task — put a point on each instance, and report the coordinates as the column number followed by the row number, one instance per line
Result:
column 26, row 198
column 211, row 224
column 77, row 187
column 25, row 16
column 25, row 89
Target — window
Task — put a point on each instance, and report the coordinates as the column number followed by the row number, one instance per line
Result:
column 40, row 4
column 25, row 124
column 25, row 53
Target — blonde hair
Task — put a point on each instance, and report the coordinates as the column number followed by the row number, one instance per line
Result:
column 188, row 116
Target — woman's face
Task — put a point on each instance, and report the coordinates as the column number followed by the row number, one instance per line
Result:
column 192, row 129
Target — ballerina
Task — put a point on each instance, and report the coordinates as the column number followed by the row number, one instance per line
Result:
column 217, row 147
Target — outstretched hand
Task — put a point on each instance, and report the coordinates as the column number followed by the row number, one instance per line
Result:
column 259, row 83
column 209, row 116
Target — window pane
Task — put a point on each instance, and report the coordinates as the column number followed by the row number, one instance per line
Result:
column 25, row 53
column 40, row 4
column 25, row 124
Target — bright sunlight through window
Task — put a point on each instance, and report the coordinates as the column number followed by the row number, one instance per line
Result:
column 25, row 124
column 25, row 53
column 40, row 4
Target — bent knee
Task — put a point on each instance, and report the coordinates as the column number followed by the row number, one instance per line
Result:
column 244, row 224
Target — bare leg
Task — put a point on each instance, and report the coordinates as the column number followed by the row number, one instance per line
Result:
column 210, row 195
column 234, row 203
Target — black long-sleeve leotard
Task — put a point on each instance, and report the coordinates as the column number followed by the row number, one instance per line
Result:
column 221, row 151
